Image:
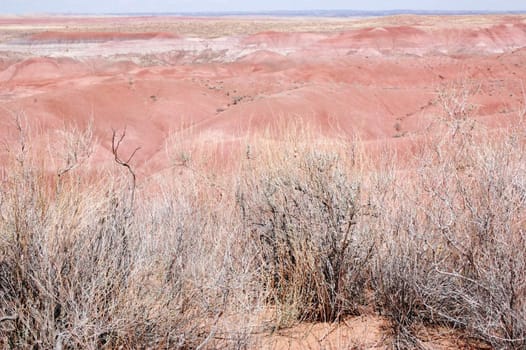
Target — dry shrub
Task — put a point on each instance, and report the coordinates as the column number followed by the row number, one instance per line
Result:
column 74, row 274
column 303, row 220
column 453, row 243
column 82, row 266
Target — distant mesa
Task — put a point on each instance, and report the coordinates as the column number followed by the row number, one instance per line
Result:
column 82, row 37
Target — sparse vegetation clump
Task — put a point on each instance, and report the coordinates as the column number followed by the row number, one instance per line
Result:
column 453, row 238
column 296, row 234
column 303, row 222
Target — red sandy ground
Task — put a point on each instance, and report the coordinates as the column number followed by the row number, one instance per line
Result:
column 378, row 82
column 377, row 79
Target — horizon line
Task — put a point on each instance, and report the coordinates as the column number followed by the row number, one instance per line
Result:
column 316, row 12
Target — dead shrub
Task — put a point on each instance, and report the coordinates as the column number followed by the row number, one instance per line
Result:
column 303, row 220
column 453, row 243
column 82, row 266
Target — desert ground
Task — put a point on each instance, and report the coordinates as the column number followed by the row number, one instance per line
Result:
column 193, row 94
column 221, row 79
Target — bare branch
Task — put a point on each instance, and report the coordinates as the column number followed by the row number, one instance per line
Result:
column 115, row 145
column 9, row 318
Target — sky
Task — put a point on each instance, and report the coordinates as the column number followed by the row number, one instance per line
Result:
column 125, row 6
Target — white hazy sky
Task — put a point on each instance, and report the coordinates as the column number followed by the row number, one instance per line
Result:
column 108, row 6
